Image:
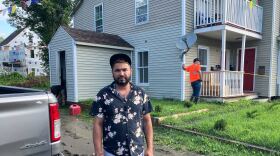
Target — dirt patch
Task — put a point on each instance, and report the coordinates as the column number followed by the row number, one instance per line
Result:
column 76, row 139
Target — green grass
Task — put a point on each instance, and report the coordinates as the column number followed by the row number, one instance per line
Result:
column 31, row 81
column 181, row 142
column 261, row 129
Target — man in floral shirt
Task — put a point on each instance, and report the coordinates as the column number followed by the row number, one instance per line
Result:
column 122, row 115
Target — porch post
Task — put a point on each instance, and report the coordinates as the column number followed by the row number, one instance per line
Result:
column 223, row 62
column 242, row 63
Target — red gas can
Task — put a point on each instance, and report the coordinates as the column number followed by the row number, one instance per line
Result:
column 75, row 109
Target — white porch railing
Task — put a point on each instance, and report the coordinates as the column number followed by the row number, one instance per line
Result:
column 211, row 85
column 233, row 12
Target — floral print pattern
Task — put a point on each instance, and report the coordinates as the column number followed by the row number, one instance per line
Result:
column 123, row 131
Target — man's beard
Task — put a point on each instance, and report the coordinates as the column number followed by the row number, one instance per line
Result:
column 122, row 81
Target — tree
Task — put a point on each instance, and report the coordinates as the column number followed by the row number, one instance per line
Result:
column 1, row 39
column 43, row 18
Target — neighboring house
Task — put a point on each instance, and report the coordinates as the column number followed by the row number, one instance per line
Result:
column 20, row 51
column 237, row 46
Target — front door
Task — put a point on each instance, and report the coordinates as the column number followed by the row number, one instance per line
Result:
column 249, row 69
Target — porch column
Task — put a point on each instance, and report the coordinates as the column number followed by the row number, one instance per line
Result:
column 242, row 63
column 223, row 63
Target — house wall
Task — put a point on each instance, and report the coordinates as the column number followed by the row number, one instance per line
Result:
column 93, row 70
column 265, row 47
column 158, row 36
column 61, row 41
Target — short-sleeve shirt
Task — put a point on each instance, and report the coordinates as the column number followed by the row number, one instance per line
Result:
column 194, row 70
column 123, row 127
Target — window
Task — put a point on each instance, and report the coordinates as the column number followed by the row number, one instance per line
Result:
column 203, row 57
column 141, row 11
column 32, row 53
column 142, row 67
column 98, row 11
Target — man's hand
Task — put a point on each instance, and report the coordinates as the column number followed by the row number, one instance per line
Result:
column 149, row 152
column 183, row 66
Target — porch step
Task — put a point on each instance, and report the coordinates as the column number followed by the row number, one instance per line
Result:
column 246, row 96
column 261, row 100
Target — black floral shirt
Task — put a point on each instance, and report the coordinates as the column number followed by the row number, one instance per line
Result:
column 123, row 130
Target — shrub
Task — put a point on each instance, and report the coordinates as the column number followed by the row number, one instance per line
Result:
column 188, row 104
column 220, row 125
column 252, row 114
column 158, row 108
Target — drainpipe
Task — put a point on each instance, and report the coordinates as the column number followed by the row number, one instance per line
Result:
column 278, row 67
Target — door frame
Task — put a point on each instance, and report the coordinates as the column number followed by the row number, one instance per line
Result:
column 255, row 65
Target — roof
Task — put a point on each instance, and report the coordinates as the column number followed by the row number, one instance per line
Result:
column 93, row 37
column 76, row 7
column 11, row 37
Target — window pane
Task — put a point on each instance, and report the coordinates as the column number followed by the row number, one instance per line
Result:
column 140, row 60
column 141, row 10
column 99, row 29
column 141, row 18
column 203, row 68
column 141, row 75
column 203, row 56
column 145, row 59
column 140, row 3
column 98, row 23
column 145, row 75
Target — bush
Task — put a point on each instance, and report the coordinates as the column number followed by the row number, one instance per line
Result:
column 220, row 125
column 158, row 108
column 11, row 79
column 252, row 114
column 39, row 82
column 188, row 104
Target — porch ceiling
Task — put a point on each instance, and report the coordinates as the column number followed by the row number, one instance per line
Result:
column 231, row 36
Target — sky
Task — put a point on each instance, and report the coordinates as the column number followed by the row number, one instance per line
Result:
column 5, row 28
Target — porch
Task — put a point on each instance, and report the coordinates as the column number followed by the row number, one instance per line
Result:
column 231, row 22
column 240, row 14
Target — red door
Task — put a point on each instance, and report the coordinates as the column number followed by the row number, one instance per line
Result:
column 249, row 69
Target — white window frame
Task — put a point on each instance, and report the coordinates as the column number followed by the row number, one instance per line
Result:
column 137, row 67
column 97, row 5
column 207, row 53
column 135, row 16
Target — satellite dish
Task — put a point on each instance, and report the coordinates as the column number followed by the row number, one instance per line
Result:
column 186, row 42
column 180, row 44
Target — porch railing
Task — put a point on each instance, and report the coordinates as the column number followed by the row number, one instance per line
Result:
column 233, row 12
column 211, row 85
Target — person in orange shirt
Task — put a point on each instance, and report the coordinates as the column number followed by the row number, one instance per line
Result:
column 195, row 78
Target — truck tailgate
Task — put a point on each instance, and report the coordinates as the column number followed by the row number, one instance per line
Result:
column 24, row 124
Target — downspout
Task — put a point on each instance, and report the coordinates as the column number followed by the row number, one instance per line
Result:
column 271, row 50
column 278, row 67
column 183, row 77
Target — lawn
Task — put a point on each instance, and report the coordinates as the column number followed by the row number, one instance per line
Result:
column 247, row 121
column 251, row 122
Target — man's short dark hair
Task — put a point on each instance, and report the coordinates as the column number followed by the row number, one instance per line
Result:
column 196, row 59
column 119, row 58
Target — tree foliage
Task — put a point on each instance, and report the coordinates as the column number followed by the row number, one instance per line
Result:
column 43, row 18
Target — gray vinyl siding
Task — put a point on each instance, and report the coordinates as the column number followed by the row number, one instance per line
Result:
column 263, row 52
column 93, row 70
column 158, row 36
column 62, row 42
column 83, row 18
column 264, row 49
column 275, row 48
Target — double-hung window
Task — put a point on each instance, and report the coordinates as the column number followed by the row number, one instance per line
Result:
column 142, row 67
column 141, row 11
column 98, row 18
column 203, row 57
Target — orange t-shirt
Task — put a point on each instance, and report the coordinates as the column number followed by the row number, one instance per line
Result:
column 194, row 70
